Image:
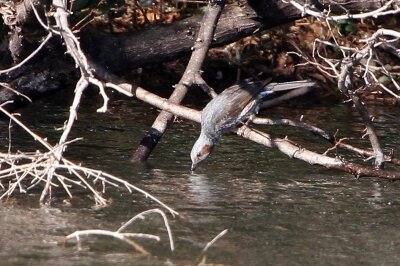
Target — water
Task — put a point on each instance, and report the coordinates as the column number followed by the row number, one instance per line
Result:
column 277, row 211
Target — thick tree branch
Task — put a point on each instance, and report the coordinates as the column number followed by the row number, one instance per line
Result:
column 200, row 49
column 294, row 151
column 338, row 144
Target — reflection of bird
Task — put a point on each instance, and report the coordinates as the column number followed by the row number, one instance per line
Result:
column 231, row 108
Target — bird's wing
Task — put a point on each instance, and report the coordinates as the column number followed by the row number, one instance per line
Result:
column 224, row 111
column 289, row 85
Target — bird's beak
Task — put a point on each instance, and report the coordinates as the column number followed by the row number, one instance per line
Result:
column 193, row 167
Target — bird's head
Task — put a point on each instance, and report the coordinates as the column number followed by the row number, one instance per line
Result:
column 201, row 150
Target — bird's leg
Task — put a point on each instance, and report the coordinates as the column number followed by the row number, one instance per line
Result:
column 240, row 131
column 245, row 124
column 251, row 117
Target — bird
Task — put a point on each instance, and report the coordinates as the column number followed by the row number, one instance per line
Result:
column 232, row 108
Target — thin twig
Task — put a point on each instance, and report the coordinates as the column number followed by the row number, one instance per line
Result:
column 209, row 244
column 48, row 37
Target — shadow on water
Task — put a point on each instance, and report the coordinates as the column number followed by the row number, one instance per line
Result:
column 278, row 211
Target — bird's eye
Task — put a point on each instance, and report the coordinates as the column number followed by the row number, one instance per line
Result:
column 199, row 154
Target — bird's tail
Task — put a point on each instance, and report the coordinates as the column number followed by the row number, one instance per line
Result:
column 291, row 85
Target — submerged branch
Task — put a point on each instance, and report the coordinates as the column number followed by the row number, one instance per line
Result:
column 118, row 234
column 34, row 168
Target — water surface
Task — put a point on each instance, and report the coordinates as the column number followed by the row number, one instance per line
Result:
column 277, row 211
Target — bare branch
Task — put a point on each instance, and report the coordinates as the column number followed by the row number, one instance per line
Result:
column 48, row 37
column 294, row 151
column 383, row 11
column 215, row 239
column 124, row 236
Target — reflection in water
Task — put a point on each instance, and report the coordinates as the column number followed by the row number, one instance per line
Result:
column 200, row 189
column 278, row 211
